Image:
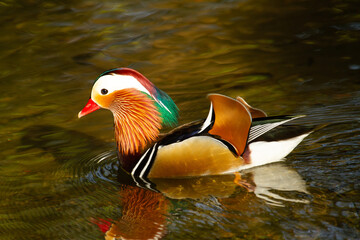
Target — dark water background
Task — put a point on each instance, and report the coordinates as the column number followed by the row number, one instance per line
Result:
column 58, row 174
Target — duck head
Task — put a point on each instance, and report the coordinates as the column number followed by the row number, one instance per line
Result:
column 139, row 108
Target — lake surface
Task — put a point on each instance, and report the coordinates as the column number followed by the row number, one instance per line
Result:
column 59, row 176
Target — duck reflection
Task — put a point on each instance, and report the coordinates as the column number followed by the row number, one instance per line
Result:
column 146, row 203
column 145, row 209
column 143, row 215
column 272, row 180
column 268, row 182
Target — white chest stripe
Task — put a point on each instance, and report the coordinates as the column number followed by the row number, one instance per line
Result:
column 141, row 177
column 146, row 159
column 139, row 162
column 148, row 162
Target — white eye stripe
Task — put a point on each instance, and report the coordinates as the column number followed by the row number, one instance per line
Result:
column 115, row 82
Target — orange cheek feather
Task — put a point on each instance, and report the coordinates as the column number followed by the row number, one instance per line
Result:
column 104, row 101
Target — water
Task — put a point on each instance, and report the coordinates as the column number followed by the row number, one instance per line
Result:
column 59, row 175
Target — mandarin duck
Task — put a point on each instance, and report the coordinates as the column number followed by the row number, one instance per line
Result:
column 233, row 137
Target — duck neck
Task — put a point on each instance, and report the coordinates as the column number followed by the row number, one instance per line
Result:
column 137, row 125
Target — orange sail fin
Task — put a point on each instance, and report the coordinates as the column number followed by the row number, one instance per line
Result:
column 255, row 113
column 232, row 121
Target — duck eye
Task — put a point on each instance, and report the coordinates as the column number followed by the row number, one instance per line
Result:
column 104, row 91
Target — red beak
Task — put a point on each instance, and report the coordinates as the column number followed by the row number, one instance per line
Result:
column 90, row 107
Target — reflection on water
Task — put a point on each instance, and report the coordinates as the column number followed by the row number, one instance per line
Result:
column 273, row 179
column 142, row 213
column 286, row 57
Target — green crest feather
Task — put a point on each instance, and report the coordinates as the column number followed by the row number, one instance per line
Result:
column 167, row 108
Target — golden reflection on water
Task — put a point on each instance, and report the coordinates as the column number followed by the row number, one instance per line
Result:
column 144, row 212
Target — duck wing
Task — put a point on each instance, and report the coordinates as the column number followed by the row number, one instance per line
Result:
column 209, row 147
column 260, row 126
